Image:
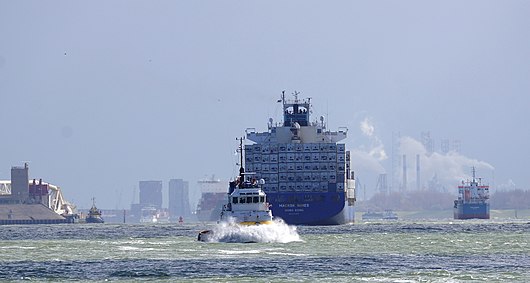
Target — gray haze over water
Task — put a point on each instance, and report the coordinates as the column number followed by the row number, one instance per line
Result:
column 99, row 95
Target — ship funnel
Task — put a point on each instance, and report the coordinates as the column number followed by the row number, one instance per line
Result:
column 295, row 128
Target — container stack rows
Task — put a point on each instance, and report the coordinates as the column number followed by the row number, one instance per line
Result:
column 309, row 167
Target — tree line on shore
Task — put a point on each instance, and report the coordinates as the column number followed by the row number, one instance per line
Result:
column 434, row 200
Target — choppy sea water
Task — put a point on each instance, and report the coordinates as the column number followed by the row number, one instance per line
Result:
column 459, row 251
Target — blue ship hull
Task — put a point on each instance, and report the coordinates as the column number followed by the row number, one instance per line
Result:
column 472, row 211
column 327, row 208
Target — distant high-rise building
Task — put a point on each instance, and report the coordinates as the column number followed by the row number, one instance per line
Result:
column 457, row 144
column 179, row 201
column 444, row 146
column 151, row 194
column 450, row 146
column 20, row 183
column 427, row 142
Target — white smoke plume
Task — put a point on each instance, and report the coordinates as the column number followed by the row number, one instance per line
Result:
column 369, row 155
column 376, row 149
column 367, row 127
column 362, row 160
column 438, row 171
column 448, row 170
column 509, row 185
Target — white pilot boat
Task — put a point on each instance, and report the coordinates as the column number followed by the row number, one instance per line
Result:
column 247, row 203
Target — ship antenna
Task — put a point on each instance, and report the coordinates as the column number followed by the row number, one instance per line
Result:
column 282, row 100
column 473, row 174
column 241, row 168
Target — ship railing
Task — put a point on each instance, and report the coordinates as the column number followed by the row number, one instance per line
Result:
column 250, row 131
column 329, row 133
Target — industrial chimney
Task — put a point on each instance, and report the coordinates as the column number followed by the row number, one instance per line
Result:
column 404, row 172
column 418, row 186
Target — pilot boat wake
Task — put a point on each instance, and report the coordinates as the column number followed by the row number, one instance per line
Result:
column 230, row 232
column 247, row 217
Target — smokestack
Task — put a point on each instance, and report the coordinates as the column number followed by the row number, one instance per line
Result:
column 404, row 172
column 418, row 186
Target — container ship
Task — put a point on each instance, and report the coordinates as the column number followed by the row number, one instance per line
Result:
column 308, row 179
column 473, row 200
column 213, row 197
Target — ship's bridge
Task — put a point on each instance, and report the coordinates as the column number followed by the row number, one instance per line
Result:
column 296, row 112
column 296, row 127
column 248, row 199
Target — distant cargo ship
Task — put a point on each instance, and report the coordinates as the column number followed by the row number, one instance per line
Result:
column 308, row 179
column 213, row 197
column 473, row 200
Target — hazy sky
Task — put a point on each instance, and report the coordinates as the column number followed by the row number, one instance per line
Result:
column 99, row 95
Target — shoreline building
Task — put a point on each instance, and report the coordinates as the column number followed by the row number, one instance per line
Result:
column 150, row 210
column 179, row 201
column 20, row 184
column 32, row 202
column 150, row 194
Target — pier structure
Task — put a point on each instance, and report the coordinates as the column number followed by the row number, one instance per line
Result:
column 24, row 201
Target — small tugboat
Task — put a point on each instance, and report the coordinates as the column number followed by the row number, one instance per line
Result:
column 247, row 202
column 94, row 215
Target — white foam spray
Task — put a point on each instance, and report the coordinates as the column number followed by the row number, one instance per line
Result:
column 277, row 232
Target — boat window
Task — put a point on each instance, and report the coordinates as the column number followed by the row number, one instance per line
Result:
column 242, row 200
column 255, row 200
column 249, row 199
column 234, row 199
column 261, row 199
